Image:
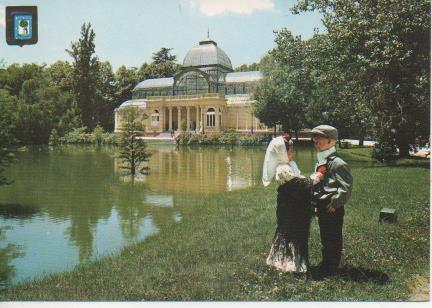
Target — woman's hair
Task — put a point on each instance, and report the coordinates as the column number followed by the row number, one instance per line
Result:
column 289, row 144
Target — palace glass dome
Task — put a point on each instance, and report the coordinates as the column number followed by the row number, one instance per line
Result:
column 207, row 53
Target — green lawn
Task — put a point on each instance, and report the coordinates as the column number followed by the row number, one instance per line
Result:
column 218, row 250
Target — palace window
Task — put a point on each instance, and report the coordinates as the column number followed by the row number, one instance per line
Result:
column 155, row 118
column 191, row 82
column 211, row 117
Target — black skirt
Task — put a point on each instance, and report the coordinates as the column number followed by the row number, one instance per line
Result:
column 289, row 251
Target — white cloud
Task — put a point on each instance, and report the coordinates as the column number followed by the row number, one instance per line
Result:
column 2, row 17
column 244, row 7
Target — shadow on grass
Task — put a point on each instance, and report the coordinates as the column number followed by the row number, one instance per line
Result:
column 357, row 274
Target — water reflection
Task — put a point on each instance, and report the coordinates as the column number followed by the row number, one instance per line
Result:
column 202, row 170
column 7, row 254
column 17, row 211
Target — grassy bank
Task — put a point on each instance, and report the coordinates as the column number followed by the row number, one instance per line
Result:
column 218, row 250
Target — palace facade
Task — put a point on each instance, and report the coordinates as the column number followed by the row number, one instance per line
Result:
column 206, row 96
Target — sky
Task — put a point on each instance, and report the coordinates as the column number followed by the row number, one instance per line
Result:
column 128, row 32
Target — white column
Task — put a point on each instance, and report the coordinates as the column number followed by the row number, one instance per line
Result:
column 116, row 123
column 162, row 118
column 217, row 118
column 170, row 118
column 179, row 119
column 221, row 121
column 197, row 118
column 187, row 118
column 237, row 120
column 204, row 118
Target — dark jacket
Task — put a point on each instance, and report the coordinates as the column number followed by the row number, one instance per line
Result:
column 336, row 187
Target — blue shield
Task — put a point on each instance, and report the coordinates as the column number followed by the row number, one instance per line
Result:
column 23, row 26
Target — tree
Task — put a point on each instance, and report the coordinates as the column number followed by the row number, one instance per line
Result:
column 163, row 55
column 70, row 119
column 246, row 68
column 133, row 150
column 59, row 74
column 268, row 104
column 105, row 96
column 8, row 117
column 24, row 24
column 7, row 254
column 34, row 119
column 334, row 99
column 163, row 65
column 282, row 95
column 85, row 75
column 13, row 77
column 7, row 125
column 126, row 80
column 383, row 46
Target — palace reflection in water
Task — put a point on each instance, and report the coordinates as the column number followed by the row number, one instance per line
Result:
column 71, row 204
column 202, row 170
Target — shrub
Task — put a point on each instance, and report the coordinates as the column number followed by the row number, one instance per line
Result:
column 384, row 152
column 54, row 137
column 345, row 145
column 225, row 138
column 229, row 138
column 77, row 136
column 183, row 138
column 98, row 134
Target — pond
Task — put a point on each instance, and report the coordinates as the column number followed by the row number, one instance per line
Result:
column 71, row 204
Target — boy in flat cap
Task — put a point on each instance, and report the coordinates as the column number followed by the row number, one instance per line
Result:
column 330, row 196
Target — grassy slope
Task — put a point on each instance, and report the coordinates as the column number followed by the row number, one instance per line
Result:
column 218, row 250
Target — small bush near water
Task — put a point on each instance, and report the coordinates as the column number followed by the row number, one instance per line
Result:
column 79, row 136
column 225, row 138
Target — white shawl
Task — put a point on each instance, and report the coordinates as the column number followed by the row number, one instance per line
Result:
column 278, row 166
column 276, row 154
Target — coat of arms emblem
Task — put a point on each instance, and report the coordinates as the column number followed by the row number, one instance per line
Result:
column 23, row 26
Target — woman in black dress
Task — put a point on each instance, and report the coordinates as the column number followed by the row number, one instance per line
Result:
column 289, row 250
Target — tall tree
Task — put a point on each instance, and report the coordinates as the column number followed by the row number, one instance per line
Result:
column 163, row 65
column 283, row 93
column 387, row 44
column 13, row 77
column 34, row 115
column 126, row 80
column 59, row 74
column 105, row 96
column 163, row 55
column 334, row 98
column 85, row 75
column 7, row 125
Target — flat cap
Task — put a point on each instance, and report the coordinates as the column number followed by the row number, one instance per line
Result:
column 326, row 131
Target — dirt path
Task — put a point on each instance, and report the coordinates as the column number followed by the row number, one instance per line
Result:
column 420, row 290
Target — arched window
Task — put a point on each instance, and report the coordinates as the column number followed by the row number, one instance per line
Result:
column 191, row 82
column 155, row 118
column 211, row 117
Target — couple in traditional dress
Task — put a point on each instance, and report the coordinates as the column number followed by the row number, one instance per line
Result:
column 325, row 192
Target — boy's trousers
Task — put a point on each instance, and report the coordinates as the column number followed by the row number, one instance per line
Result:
column 330, row 225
